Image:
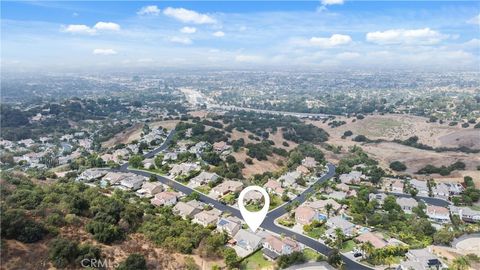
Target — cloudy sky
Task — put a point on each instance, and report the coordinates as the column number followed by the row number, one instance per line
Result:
column 324, row 34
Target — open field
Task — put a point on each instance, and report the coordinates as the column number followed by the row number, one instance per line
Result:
column 258, row 167
column 391, row 127
column 134, row 133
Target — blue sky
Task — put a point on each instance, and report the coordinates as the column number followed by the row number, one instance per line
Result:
column 328, row 34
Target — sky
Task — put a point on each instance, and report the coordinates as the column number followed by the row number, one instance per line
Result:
column 324, row 35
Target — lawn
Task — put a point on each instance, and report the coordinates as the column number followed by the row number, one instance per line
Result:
column 310, row 254
column 316, row 232
column 275, row 201
column 348, row 246
column 256, row 261
column 203, row 189
column 287, row 222
column 229, row 198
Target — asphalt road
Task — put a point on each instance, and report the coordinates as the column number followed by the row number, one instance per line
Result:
column 268, row 224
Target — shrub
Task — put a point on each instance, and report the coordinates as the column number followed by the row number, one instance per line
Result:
column 398, row 166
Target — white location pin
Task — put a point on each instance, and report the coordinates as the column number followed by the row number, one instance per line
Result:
column 253, row 219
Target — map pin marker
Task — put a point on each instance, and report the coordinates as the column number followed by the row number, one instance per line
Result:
column 253, row 219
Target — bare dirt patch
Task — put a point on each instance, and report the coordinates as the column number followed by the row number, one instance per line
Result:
column 126, row 136
column 397, row 126
column 258, row 167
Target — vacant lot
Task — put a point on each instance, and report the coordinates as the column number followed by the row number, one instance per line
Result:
column 258, row 167
column 389, row 127
column 135, row 132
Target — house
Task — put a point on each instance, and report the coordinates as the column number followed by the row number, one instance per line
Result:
column 132, row 182
column 289, row 179
column 321, row 205
column 274, row 246
column 302, row 170
column 90, row 175
column 198, row 148
column 447, row 189
column 339, row 222
column 393, row 185
column 420, row 259
column 375, row 239
column 207, row 218
column 420, row 186
column 407, row 204
column 309, row 162
column 465, row 213
column 247, row 240
column 183, row 169
column 441, row 190
column 149, row 189
column 379, row 197
column 226, row 187
column 343, row 187
column 438, row 213
column 305, row 215
column 164, row 198
column 203, row 178
column 170, row 156
column 253, row 196
column 354, row 177
column 230, row 225
column 275, row 187
column 220, row 146
column 186, row 210
column 337, row 195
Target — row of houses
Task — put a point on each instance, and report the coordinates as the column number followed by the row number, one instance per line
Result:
column 443, row 190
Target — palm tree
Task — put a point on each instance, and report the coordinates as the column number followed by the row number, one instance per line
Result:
column 460, row 263
column 368, row 248
column 328, row 207
column 389, row 260
column 339, row 237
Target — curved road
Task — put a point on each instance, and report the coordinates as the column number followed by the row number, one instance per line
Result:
column 268, row 223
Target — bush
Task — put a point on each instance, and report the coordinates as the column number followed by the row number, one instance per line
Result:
column 295, row 257
column 348, row 133
column 360, row 138
column 398, row 166
column 134, row 262
column 104, row 232
column 16, row 225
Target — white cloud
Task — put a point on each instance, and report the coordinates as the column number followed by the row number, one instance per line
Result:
column 332, row 2
column 104, row 52
column 474, row 20
column 182, row 40
column 244, row 58
column 424, row 36
column 188, row 16
column 188, row 30
column 334, row 40
column 219, row 34
column 78, row 29
column 85, row 29
column 108, row 26
column 149, row 10
column 348, row 55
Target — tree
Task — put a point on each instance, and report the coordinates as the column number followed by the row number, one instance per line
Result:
column 231, row 258
column 16, row 225
column 328, row 207
column 334, row 258
column 134, row 261
column 339, row 238
column 62, row 252
column 460, row 263
column 413, row 192
column 398, row 166
column 136, row 161
column 368, row 249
